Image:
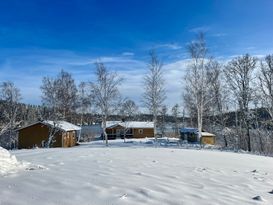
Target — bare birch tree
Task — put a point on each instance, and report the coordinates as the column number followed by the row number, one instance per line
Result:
column 105, row 93
column 60, row 93
column 52, row 131
column 67, row 93
column 128, row 111
column 239, row 74
column 175, row 114
column 84, row 102
column 266, row 98
column 49, row 94
column 266, row 84
column 10, row 95
column 197, row 94
column 162, row 120
column 154, row 94
column 219, row 97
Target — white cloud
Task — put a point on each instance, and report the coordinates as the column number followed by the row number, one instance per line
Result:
column 132, row 86
column 34, row 67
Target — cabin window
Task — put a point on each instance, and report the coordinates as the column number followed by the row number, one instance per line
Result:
column 140, row 131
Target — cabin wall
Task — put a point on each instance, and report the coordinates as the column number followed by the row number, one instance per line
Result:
column 69, row 139
column 143, row 132
column 113, row 133
column 34, row 135
column 208, row 140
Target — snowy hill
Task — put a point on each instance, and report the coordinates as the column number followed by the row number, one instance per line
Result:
column 138, row 173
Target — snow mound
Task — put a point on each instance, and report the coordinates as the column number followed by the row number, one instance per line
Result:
column 8, row 163
column 35, row 167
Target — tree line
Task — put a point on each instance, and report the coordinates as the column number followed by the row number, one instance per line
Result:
column 242, row 85
column 224, row 97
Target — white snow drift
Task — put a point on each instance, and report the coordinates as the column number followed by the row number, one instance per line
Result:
column 8, row 163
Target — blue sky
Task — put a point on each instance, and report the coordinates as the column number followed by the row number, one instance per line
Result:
column 39, row 38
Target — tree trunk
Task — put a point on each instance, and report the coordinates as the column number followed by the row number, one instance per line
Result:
column 248, row 138
column 80, row 132
column 155, row 123
column 223, row 126
column 225, row 140
column 104, row 130
column 199, row 121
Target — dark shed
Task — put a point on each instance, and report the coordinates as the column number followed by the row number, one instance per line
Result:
column 36, row 134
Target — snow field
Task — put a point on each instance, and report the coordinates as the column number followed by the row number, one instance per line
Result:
column 138, row 174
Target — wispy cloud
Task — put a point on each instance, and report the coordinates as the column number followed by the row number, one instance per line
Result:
column 218, row 34
column 250, row 48
column 128, row 54
column 199, row 29
column 172, row 46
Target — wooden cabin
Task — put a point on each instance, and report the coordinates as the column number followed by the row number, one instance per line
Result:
column 37, row 134
column 129, row 129
column 191, row 135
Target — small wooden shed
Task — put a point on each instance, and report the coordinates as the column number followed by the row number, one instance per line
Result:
column 207, row 138
column 37, row 134
column 129, row 129
column 192, row 136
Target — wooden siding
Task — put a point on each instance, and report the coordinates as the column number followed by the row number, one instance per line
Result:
column 146, row 132
column 34, row 135
column 208, row 140
column 69, row 139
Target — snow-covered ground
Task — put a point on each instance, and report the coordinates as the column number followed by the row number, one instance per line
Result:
column 136, row 173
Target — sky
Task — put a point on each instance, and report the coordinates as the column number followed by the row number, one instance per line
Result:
column 40, row 37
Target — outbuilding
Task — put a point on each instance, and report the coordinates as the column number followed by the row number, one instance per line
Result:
column 129, row 129
column 191, row 135
column 37, row 134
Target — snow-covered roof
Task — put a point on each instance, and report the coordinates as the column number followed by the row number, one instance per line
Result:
column 130, row 124
column 136, row 124
column 112, row 123
column 63, row 125
column 189, row 130
column 207, row 134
